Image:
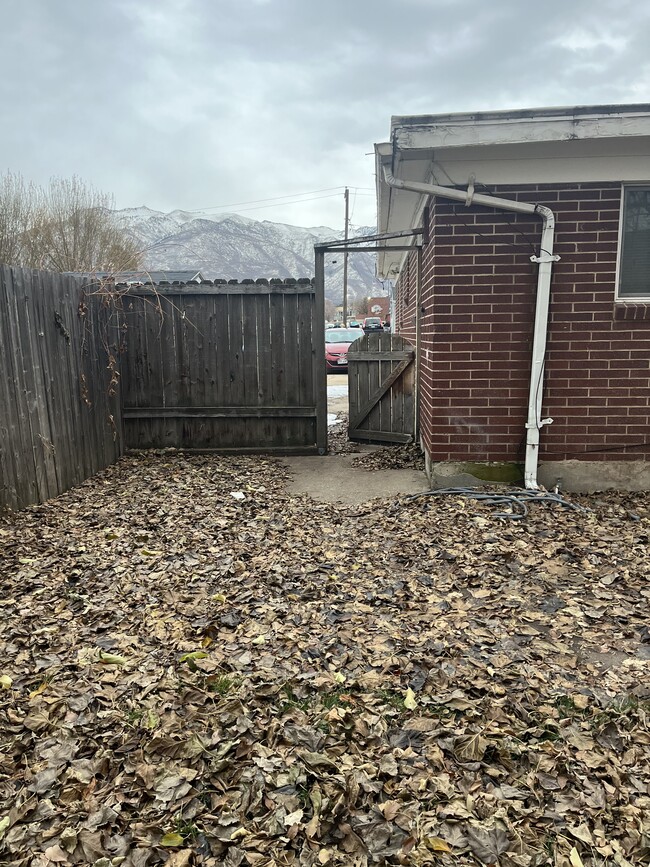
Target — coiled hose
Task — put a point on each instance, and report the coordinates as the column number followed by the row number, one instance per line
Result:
column 518, row 500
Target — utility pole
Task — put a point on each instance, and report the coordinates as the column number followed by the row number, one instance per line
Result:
column 346, row 195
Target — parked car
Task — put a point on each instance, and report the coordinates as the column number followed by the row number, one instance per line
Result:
column 337, row 343
column 372, row 323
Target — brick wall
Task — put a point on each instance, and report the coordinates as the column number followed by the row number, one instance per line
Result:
column 478, row 297
column 405, row 301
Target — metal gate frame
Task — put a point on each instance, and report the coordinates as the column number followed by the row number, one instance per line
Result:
column 373, row 244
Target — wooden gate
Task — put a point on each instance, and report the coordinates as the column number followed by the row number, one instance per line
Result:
column 381, row 378
column 234, row 367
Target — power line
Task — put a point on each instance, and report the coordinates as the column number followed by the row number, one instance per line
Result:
column 295, row 202
column 272, row 199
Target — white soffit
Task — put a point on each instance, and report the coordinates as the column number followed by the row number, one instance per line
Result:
column 599, row 143
column 519, row 127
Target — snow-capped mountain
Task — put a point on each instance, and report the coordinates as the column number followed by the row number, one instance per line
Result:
column 236, row 247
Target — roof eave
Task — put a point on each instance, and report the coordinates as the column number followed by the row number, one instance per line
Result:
column 424, row 132
column 415, row 138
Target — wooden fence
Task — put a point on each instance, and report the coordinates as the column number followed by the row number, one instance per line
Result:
column 59, row 412
column 382, row 389
column 84, row 374
column 229, row 368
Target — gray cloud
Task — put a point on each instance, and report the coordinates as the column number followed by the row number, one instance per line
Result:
column 194, row 103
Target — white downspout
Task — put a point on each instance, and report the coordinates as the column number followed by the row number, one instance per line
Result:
column 545, row 261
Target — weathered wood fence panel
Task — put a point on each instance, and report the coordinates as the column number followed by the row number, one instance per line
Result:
column 59, row 413
column 381, row 381
column 231, row 368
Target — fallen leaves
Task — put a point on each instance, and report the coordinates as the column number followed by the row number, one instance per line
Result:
column 437, row 845
column 488, row 844
column 172, row 839
column 196, row 678
column 405, row 457
column 575, row 859
column 410, row 702
column 470, row 748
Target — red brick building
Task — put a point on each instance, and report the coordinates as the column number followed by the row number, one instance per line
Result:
column 379, row 306
column 467, row 298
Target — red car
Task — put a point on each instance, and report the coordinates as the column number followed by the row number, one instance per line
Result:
column 337, row 343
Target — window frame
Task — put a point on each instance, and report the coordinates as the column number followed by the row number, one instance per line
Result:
column 627, row 299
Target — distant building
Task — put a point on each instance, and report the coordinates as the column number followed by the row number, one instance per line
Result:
column 378, row 307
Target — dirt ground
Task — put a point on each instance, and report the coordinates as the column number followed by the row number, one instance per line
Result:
column 199, row 667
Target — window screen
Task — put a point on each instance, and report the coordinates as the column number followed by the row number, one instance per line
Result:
column 634, row 276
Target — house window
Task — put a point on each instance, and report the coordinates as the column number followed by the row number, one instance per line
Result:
column 634, row 263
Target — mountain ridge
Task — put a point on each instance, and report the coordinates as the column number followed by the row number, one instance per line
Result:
column 232, row 246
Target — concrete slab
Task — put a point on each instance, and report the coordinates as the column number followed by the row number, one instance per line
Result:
column 333, row 479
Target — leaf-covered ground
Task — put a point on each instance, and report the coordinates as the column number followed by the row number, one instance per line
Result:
column 198, row 669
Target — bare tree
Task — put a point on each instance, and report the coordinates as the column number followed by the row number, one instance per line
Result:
column 21, row 208
column 360, row 306
column 79, row 233
column 67, row 226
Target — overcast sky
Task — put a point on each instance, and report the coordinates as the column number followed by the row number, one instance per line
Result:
column 194, row 104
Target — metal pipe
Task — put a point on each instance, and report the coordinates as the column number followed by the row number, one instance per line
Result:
column 363, row 239
column 467, row 196
column 545, row 261
column 345, row 259
column 418, row 341
column 370, row 249
column 535, row 421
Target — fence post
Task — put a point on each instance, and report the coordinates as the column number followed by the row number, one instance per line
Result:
column 318, row 349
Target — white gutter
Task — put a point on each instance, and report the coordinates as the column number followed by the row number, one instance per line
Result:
column 545, row 261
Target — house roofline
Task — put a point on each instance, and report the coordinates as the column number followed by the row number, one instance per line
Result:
column 529, row 145
column 530, row 114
